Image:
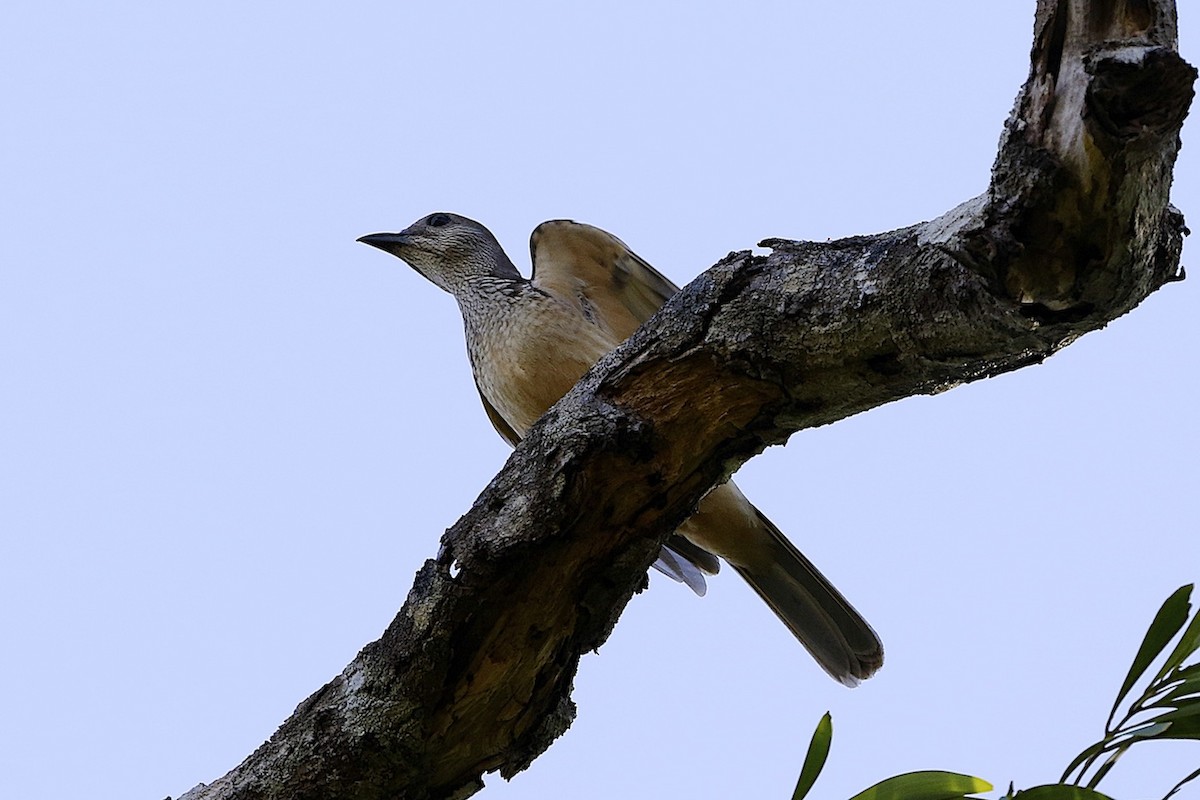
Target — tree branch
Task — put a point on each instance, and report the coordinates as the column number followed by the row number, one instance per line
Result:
column 474, row 674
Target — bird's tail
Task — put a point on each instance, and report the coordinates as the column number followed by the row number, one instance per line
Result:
column 816, row 613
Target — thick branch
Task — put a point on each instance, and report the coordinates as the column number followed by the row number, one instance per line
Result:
column 474, row 674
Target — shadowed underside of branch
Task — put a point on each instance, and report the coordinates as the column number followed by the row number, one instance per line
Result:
column 474, row 674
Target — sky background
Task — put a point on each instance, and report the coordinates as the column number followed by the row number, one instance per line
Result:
column 230, row 435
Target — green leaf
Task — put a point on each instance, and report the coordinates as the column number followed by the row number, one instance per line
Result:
column 1183, row 723
column 1150, row 729
column 1183, row 684
column 1183, row 729
column 1178, row 676
column 930, row 785
column 1190, row 710
column 1179, row 785
column 1086, row 757
column 1109, row 763
column 1060, row 791
column 1180, row 696
column 1167, row 622
column 814, row 760
column 1188, row 643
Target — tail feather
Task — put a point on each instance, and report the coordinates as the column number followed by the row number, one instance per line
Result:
column 816, row 613
column 687, row 563
column 679, row 569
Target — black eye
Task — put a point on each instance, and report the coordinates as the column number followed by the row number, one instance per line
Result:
column 437, row 220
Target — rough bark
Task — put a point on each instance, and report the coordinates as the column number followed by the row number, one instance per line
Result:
column 474, row 674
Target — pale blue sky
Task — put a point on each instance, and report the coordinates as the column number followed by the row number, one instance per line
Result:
column 231, row 435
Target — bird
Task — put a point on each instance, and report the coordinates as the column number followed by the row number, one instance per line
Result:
column 529, row 340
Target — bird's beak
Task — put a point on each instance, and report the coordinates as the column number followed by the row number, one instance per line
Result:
column 387, row 242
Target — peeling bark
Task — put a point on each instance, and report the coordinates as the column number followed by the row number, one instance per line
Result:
column 474, row 674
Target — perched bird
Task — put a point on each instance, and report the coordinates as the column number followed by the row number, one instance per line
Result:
column 530, row 341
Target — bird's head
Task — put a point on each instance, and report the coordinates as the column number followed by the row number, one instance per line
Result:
column 448, row 249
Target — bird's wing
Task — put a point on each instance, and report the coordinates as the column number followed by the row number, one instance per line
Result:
column 595, row 272
column 503, row 428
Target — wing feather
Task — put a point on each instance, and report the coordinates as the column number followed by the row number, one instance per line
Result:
column 598, row 274
column 498, row 422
